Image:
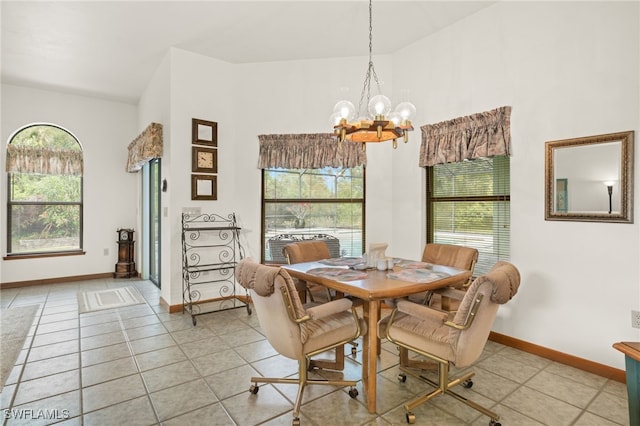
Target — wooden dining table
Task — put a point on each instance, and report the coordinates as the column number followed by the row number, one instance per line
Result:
column 373, row 287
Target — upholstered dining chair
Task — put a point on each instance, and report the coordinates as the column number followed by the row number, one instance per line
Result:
column 307, row 251
column 461, row 257
column 440, row 254
column 456, row 341
column 294, row 331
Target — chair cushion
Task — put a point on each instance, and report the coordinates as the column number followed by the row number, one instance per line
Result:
column 256, row 277
column 413, row 332
column 451, row 255
column 323, row 332
column 307, row 251
column 506, row 279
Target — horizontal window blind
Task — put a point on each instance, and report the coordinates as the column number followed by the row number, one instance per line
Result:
column 468, row 204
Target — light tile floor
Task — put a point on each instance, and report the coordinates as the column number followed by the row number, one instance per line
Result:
column 140, row 365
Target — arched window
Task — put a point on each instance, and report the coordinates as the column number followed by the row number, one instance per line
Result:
column 44, row 201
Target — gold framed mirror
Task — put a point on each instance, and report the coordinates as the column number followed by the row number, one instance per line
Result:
column 590, row 179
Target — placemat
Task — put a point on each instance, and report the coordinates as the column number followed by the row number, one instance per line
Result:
column 416, row 275
column 339, row 274
column 342, row 261
column 413, row 264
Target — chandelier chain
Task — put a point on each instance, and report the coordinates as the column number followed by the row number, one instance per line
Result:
column 366, row 87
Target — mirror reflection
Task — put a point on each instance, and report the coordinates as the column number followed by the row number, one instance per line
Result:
column 590, row 179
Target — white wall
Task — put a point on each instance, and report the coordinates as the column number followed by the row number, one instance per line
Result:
column 104, row 129
column 155, row 107
column 568, row 69
column 245, row 101
column 200, row 88
column 298, row 97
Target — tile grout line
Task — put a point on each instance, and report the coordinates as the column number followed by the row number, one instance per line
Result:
column 224, row 408
column 81, row 396
column 602, row 389
column 178, row 345
column 37, row 320
column 520, row 386
column 135, row 361
column 584, row 410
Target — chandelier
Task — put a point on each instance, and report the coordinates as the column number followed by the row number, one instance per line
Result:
column 382, row 124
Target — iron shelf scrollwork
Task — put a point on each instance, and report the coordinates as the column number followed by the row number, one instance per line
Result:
column 211, row 250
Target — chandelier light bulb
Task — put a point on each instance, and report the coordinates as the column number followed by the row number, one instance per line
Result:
column 395, row 117
column 379, row 105
column 345, row 109
column 406, row 110
column 335, row 118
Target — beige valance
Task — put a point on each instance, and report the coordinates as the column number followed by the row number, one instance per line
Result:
column 144, row 148
column 485, row 134
column 38, row 160
column 308, row 151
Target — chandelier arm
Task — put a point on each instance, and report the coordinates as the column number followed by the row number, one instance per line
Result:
column 366, row 88
column 375, row 77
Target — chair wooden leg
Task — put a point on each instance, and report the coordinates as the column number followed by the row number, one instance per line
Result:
column 301, row 289
column 303, row 296
column 445, row 303
column 337, row 364
column 413, row 363
column 404, row 357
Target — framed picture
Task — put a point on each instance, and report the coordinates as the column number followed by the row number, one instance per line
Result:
column 204, row 187
column 204, row 132
column 562, row 203
column 204, row 160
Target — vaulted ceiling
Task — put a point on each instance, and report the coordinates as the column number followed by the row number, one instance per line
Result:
column 110, row 49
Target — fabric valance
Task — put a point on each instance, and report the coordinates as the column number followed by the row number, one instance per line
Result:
column 36, row 160
column 144, row 148
column 485, row 134
column 308, row 151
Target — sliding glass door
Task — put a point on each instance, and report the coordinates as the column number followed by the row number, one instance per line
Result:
column 154, row 220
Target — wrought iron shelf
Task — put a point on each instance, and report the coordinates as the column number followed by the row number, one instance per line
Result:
column 211, row 267
column 211, row 250
column 211, row 228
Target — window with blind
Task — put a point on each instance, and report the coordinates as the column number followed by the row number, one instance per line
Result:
column 468, row 204
column 302, row 204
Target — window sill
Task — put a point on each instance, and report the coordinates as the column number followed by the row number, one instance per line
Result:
column 41, row 255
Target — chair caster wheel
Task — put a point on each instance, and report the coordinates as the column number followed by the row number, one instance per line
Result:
column 402, row 377
column 467, row 384
column 494, row 423
column 411, row 418
column 254, row 389
column 296, row 421
column 353, row 392
column 353, row 351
